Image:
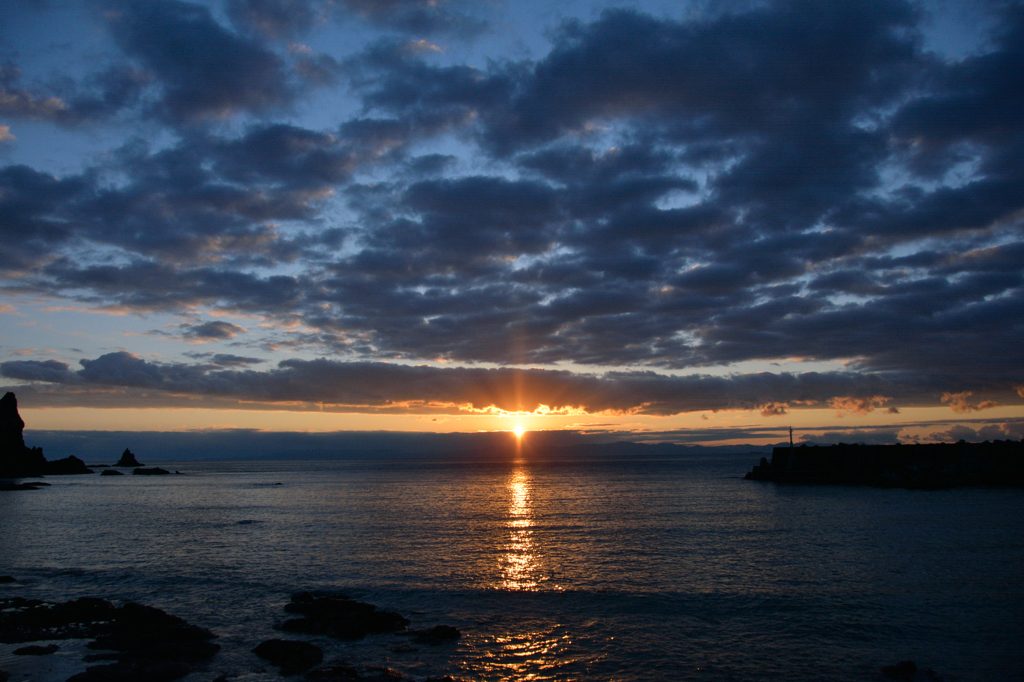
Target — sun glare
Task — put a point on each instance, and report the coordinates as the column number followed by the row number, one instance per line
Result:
column 519, row 431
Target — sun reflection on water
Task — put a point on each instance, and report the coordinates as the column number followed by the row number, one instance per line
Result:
column 533, row 655
column 519, row 562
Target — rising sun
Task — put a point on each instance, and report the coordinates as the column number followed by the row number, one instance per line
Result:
column 519, row 431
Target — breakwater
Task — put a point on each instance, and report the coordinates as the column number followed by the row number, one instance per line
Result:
column 930, row 465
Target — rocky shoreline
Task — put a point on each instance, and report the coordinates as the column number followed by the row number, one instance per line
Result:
column 137, row 643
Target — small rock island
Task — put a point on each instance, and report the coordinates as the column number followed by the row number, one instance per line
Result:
column 921, row 466
column 128, row 460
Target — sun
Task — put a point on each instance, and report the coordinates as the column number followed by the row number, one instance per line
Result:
column 519, row 430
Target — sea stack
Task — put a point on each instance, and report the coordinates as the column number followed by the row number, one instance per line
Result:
column 16, row 460
column 128, row 460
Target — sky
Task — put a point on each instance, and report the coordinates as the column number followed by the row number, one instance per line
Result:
column 699, row 222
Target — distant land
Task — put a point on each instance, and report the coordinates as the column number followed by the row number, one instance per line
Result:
column 244, row 444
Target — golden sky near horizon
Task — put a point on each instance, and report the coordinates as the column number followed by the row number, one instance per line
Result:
column 749, row 425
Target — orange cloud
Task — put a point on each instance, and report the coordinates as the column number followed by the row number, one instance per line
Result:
column 959, row 403
column 861, row 406
column 774, row 409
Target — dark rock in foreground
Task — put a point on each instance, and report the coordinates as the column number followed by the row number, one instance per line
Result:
column 344, row 673
column 7, row 579
column 338, row 616
column 36, row 650
column 134, row 670
column 907, row 671
column 928, row 466
column 290, row 656
column 152, row 471
column 128, row 460
column 149, row 644
column 438, row 635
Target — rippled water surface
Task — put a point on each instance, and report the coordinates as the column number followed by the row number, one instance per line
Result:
column 657, row 569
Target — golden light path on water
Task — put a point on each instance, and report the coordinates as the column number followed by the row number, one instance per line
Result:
column 526, row 654
column 519, row 563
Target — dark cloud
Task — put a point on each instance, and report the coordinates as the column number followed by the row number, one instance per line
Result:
column 49, row 371
column 204, row 70
column 215, row 330
column 792, row 179
column 228, row 360
column 30, row 225
column 391, row 387
column 64, row 102
column 879, row 436
column 224, row 359
column 19, row 102
column 419, row 16
column 274, row 18
column 293, row 18
column 1007, row 431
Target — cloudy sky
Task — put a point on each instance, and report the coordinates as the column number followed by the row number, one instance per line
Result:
column 689, row 219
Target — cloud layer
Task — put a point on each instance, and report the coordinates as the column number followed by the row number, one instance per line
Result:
column 793, row 179
column 387, row 387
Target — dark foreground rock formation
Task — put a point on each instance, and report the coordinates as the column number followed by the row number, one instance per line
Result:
column 338, row 616
column 135, row 643
column 128, row 460
column 907, row 671
column 439, row 634
column 290, row 656
column 927, row 466
column 19, row 461
column 141, row 642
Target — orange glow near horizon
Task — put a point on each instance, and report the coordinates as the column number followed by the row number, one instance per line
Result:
column 683, row 428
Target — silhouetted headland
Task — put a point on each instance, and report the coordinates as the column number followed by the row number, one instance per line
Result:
column 19, row 461
column 932, row 465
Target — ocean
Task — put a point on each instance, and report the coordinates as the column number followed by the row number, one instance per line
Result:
column 659, row 568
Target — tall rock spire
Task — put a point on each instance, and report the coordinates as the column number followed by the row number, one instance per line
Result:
column 11, row 426
column 15, row 459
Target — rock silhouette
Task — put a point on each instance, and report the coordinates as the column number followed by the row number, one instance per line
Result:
column 291, row 656
column 921, row 466
column 16, row 460
column 152, row 471
column 36, row 650
column 145, row 643
column 19, row 461
column 128, row 460
column 338, row 616
column 438, row 635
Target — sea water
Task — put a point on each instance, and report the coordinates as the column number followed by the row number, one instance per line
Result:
column 669, row 568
